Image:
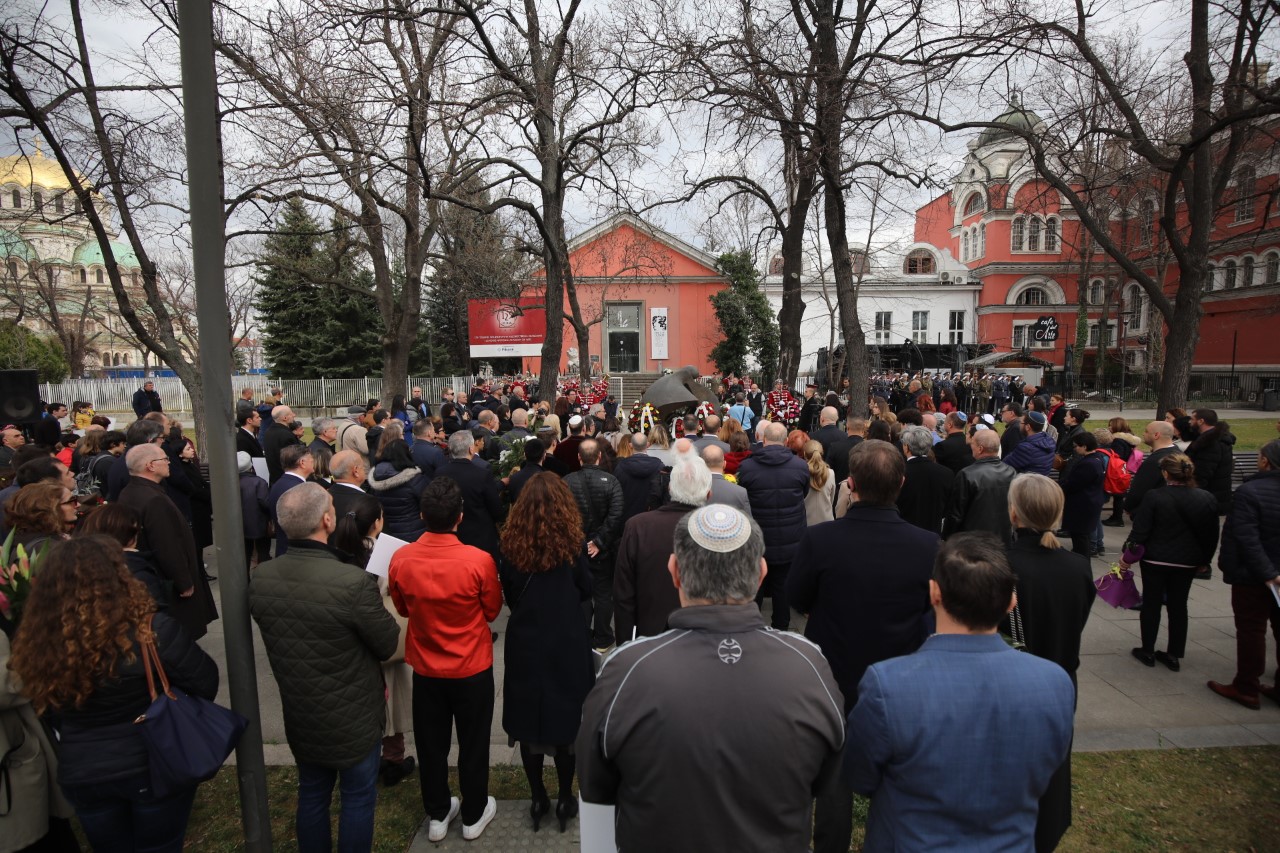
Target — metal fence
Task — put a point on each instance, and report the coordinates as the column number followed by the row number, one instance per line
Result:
column 1244, row 388
column 309, row 396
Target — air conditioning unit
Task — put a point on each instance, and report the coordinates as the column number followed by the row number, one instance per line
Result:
column 946, row 276
column 959, row 280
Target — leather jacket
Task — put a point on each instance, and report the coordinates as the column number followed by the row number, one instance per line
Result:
column 980, row 499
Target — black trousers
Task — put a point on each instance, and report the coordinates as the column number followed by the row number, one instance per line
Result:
column 601, row 602
column 833, row 817
column 775, row 587
column 440, row 704
column 1165, row 586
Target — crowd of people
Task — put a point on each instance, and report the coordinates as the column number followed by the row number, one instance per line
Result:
column 921, row 541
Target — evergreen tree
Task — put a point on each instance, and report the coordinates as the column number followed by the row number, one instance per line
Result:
column 288, row 308
column 746, row 321
column 23, row 349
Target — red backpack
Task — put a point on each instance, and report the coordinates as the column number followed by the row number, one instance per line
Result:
column 1118, row 476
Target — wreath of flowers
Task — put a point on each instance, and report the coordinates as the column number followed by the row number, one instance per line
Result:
column 782, row 406
column 642, row 418
column 704, row 409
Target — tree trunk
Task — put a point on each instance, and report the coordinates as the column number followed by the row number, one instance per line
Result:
column 553, row 343
column 792, row 311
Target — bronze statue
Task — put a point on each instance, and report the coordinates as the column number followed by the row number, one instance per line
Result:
column 678, row 391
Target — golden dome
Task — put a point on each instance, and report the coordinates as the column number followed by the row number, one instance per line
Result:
column 28, row 170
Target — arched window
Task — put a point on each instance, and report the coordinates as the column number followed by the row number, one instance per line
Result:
column 919, row 262
column 1033, row 296
column 1146, row 222
column 106, row 359
column 13, row 270
column 1246, row 272
column 1211, row 278
column 1095, row 292
column 133, row 279
column 1272, row 274
column 58, row 205
column 1135, row 306
column 1033, row 234
column 1051, row 234
column 1229, row 275
column 1245, row 192
column 17, row 199
column 775, row 265
column 125, row 359
column 1016, row 238
column 861, row 264
column 37, row 202
column 97, row 276
column 84, row 276
column 973, row 204
column 964, row 247
column 982, row 240
column 115, row 360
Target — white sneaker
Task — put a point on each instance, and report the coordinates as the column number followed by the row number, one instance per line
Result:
column 472, row 832
column 438, row 829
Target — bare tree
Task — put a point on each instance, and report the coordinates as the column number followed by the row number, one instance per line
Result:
column 73, row 313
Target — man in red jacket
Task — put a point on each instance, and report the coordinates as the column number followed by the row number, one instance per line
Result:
column 450, row 593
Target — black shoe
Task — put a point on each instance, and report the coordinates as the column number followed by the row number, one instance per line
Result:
column 1136, row 605
column 1146, row 657
column 566, row 810
column 1204, row 574
column 1101, row 552
column 539, row 809
column 395, row 772
column 1113, row 522
column 1169, row 661
column 209, row 577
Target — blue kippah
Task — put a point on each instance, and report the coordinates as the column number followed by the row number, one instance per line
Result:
column 719, row 528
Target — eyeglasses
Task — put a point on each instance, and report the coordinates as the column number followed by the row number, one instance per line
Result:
column 71, row 501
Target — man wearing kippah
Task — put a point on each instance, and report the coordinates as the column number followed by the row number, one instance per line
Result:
column 717, row 734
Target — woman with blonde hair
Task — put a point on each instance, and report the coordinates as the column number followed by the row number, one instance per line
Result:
column 660, row 444
column 625, row 448
column 78, row 652
column 1054, row 593
column 549, row 669
column 821, row 497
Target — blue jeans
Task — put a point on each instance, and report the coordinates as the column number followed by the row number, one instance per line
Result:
column 359, row 792
column 124, row 816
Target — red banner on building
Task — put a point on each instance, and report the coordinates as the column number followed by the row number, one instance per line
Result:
column 498, row 328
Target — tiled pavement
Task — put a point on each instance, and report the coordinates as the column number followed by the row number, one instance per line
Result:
column 1122, row 704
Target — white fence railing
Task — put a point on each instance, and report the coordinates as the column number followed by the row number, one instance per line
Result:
column 318, row 395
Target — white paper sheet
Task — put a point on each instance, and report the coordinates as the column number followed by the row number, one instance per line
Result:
column 260, row 468
column 595, row 823
column 380, row 559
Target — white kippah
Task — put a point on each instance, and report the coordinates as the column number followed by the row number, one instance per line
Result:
column 719, row 528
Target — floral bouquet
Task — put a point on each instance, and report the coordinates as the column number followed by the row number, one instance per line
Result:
column 643, row 418
column 17, row 568
column 782, row 407
column 509, row 460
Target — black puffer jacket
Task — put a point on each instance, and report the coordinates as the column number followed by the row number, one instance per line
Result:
column 326, row 632
column 599, row 500
column 399, row 493
column 1212, row 454
column 1177, row 524
column 636, row 475
column 100, row 741
column 777, row 481
column 1251, row 536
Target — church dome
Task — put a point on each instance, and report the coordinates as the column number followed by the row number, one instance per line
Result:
column 1014, row 117
column 89, row 254
column 28, row 170
column 13, row 246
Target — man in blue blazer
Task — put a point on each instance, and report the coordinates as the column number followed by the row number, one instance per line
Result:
column 298, row 464
column 955, row 743
column 863, row 580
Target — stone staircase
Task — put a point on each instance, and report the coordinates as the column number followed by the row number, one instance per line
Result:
column 627, row 387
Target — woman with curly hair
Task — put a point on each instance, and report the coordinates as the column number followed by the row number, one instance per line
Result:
column 78, row 653
column 40, row 512
column 548, row 649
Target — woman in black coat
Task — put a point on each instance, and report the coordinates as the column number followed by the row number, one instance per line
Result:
column 1174, row 532
column 548, row 648
column 1082, row 485
column 398, row 483
column 1055, row 592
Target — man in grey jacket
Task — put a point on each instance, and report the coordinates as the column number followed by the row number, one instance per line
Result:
column 722, row 491
column 326, row 633
column 663, row 736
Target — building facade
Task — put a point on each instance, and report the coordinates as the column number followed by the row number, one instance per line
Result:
column 54, row 271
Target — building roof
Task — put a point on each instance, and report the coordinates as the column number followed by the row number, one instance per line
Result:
column 666, row 238
column 89, row 254
column 36, row 170
column 13, row 246
column 1014, row 118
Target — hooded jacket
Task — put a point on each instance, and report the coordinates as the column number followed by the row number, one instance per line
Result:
column 1033, row 455
column 635, row 474
column 1212, row 454
column 399, row 493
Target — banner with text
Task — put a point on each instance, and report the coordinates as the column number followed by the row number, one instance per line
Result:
column 658, row 334
column 498, row 328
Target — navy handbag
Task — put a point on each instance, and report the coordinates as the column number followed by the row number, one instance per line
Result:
column 188, row 738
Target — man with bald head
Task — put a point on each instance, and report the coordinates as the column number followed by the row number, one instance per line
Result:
column 722, row 491
column 12, row 441
column 167, row 535
column 827, row 432
column 277, row 437
column 980, row 494
column 1159, row 437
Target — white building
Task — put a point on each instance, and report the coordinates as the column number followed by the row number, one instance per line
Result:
column 923, row 295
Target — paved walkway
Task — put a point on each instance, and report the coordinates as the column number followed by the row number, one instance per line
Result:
column 1122, row 705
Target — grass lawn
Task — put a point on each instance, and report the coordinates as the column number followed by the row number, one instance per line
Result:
column 1251, row 433
column 1176, row 799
